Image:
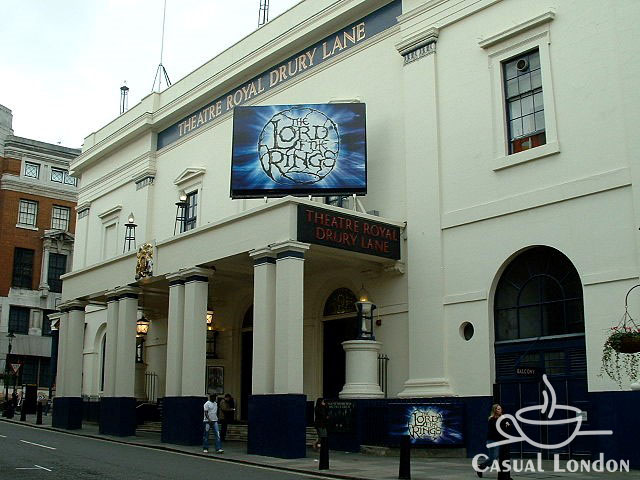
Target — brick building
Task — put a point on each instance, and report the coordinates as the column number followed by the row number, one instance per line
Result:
column 37, row 200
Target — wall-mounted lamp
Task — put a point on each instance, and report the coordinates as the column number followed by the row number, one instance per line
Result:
column 129, row 233
column 142, row 326
column 365, row 310
column 212, row 336
column 181, row 213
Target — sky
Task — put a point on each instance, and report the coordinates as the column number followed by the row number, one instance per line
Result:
column 63, row 62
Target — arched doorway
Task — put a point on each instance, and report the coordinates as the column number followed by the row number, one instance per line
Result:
column 246, row 363
column 339, row 324
column 539, row 328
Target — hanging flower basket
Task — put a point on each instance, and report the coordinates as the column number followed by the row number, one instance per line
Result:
column 621, row 351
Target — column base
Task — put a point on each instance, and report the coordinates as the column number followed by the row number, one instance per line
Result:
column 277, row 425
column 426, row 387
column 361, row 369
column 118, row 416
column 360, row 390
column 182, row 420
column 67, row 413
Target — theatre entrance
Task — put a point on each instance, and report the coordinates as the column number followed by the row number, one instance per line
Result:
column 340, row 324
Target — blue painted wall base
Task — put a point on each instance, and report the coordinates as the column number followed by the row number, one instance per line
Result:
column 67, row 413
column 277, row 425
column 118, row 416
column 182, row 420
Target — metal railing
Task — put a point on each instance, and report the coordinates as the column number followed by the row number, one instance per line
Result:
column 150, row 383
column 383, row 367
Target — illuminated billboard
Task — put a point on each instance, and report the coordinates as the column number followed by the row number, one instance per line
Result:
column 299, row 150
column 427, row 424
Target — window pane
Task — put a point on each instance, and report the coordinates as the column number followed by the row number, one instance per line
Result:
column 23, row 268
column 57, row 267
column 528, row 125
column 27, row 212
column 539, row 121
column 68, row 179
column 538, row 101
column 534, row 60
column 512, row 88
column 529, row 321
column 57, row 175
column 527, row 105
column 514, row 109
column 536, row 79
column 506, row 324
column 524, row 83
column 60, row 218
column 31, row 170
column 510, row 70
column 575, row 316
column 516, row 128
column 553, row 322
column 19, row 320
column 555, row 363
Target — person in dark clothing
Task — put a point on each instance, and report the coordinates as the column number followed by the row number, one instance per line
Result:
column 492, row 436
column 322, row 419
column 227, row 411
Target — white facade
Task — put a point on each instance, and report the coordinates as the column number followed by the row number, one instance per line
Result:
column 438, row 167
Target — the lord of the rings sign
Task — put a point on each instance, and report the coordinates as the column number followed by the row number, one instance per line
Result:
column 427, row 424
column 331, row 229
column 299, row 150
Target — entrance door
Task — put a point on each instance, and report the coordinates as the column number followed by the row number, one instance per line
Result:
column 333, row 364
column 246, row 372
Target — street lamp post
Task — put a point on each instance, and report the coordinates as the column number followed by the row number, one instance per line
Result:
column 10, row 336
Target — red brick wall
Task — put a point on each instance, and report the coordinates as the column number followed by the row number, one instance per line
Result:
column 11, row 237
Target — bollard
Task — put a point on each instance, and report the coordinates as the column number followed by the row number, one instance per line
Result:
column 39, row 414
column 23, row 413
column 404, row 472
column 324, row 454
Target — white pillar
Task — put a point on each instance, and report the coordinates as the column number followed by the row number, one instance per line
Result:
column 44, row 271
column 194, row 353
column 175, row 336
column 289, row 316
column 63, row 328
column 74, row 344
column 264, row 321
column 126, row 338
column 361, row 379
column 111, row 346
column 427, row 361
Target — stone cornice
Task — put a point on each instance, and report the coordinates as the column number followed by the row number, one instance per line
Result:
column 17, row 184
column 510, row 32
column 418, row 45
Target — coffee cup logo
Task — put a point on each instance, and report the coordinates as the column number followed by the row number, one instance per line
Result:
column 548, row 409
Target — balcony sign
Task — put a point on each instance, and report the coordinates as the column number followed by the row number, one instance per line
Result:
column 347, row 232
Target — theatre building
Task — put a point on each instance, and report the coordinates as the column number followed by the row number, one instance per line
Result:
column 464, row 167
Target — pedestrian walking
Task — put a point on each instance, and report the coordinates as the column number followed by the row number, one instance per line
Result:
column 321, row 420
column 492, row 436
column 227, row 414
column 210, row 422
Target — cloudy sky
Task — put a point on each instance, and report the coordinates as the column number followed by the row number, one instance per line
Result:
column 63, row 61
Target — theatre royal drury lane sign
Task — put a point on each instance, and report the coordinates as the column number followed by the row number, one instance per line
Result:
column 356, row 234
column 324, row 50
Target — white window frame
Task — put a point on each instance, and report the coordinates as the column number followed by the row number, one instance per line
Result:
column 66, row 178
column 61, row 208
column 109, row 217
column 32, row 164
column 521, row 38
column 35, row 215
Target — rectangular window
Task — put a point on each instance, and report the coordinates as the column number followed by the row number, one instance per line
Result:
column 524, row 102
column 23, row 268
column 19, row 320
column 192, row 211
column 57, row 267
column 62, row 176
column 60, row 218
column 31, row 170
column 27, row 212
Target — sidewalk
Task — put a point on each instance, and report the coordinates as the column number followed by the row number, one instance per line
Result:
column 342, row 464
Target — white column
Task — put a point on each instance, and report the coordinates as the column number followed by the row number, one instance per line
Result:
column 62, row 351
column 427, row 368
column 175, row 336
column 111, row 346
column 289, row 316
column 74, row 344
column 264, row 320
column 361, row 379
column 194, row 353
column 126, row 349
column 44, row 271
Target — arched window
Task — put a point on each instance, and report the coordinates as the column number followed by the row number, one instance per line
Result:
column 538, row 295
column 341, row 301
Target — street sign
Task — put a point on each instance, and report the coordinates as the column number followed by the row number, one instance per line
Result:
column 15, row 367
